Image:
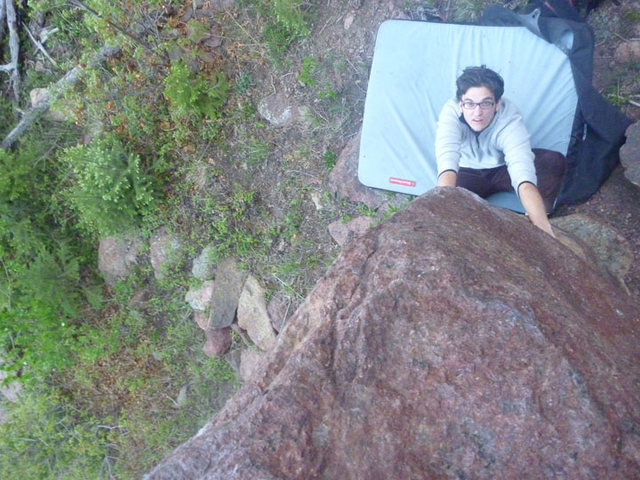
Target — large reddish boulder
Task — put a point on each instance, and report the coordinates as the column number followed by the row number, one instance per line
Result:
column 454, row 340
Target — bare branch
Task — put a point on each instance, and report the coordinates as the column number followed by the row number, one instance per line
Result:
column 46, row 32
column 135, row 38
column 54, row 92
column 14, row 47
column 3, row 17
column 39, row 46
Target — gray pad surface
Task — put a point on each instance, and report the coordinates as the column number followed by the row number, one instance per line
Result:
column 415, row 65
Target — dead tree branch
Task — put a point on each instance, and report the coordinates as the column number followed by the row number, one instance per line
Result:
column 79, row 4
column 54, row 92
column 46, row 32
column 3, row 17
column 14, row 46
column 39, row 46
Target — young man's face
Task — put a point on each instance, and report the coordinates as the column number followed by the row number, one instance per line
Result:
column 478, row 107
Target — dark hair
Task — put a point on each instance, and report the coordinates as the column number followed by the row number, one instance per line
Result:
column 480, row 77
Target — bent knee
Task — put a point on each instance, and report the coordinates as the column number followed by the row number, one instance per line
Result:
column 555, row 163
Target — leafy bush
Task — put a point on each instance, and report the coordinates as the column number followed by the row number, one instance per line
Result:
column 109, row 191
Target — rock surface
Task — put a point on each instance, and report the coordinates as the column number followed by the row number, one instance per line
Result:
column 453, row 340
column 253, row 316
column 224, row 299
column 608, row 249
column 218, row 341
column 204, row 265
column 277, row 110
column 10, row 392
column 279, row 310
column 630, row 154
column 250, row 361
column 343, row 180
column 200, row 298
column 163, row 247
column 117, row 256
column 628, row 51
column 342, row 232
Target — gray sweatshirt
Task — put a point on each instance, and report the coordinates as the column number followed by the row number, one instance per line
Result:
column 504, row 141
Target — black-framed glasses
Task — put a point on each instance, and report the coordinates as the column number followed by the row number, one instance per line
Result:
column 484, row 105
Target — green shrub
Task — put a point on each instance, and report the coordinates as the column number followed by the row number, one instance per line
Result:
column 330, row 158
column 307, row 71
column 44, row 283
column 288, row 22
column 243, row 82
column 109, row 191
column 194, row 96
column 43, row 303
column 44, row 439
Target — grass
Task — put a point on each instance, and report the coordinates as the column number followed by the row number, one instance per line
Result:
column 118, row 415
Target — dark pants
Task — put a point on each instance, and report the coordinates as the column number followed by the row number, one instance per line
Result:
column 550, row 169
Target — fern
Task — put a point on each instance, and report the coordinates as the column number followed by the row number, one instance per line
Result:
column 289, row 22
column 194, row 96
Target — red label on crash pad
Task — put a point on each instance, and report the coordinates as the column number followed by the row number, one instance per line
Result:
column 401, row 181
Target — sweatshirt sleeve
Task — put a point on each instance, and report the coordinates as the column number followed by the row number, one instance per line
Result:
column 448, row 138
column 514, row 141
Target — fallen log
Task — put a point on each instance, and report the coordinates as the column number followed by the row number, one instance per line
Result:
column 53, row 93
